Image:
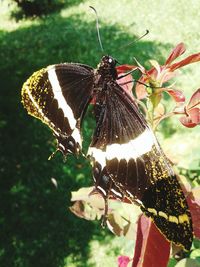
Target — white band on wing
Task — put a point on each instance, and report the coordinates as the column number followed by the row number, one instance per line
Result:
column 131, row 150
column 58, row 95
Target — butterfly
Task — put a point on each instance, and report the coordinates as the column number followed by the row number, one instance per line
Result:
column 127, row 160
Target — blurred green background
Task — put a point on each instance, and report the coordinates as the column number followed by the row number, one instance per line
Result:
column 36, row 226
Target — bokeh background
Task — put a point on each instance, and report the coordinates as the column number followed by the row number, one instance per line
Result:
column 36, row 225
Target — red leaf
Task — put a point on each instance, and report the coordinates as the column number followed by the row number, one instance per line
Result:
column 194, row 100
column 152, row 72
column 194, row 115
column 151, row 249
column 176, row 52
column 140, row 89
column 127, row 84
column 187, row 122
column 188, row 60
column 125, row 68
column 176, row 94
column 123, row 261
column 168, row 76
column 192, row 119
column 193, row 200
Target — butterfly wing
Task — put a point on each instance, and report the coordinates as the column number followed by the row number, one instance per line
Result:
column 59, row 95
column 121, row 141
column 128, row 162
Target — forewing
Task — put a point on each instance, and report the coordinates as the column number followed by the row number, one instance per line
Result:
column 129, row 163
column 59, row 95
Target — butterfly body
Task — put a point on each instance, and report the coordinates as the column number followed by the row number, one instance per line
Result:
column 126, row 158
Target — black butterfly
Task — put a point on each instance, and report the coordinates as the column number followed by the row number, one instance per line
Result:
column 127, row 160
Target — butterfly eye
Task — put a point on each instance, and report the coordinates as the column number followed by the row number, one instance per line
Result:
column 110, row 60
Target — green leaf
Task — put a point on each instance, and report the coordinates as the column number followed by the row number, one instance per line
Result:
column 195, row 254
column 187, row 263
column 172, row 262
column 196, row 243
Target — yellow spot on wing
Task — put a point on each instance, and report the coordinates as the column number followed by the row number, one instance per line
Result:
column 183, row 218
column 173, row 219
column 162, row 214
column 152, row 211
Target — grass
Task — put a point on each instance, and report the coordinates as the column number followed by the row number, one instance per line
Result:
column 37, row 229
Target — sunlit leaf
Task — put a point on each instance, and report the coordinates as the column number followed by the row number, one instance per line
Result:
column 88, row 204
column 192, row 110
column 176, row 52
column 194, row 115
column 176, row 94
column 188, row 60
column 156, row 65
column 195, row 254
column 168, row 76
column 121, row 218
column 140, row 90
column 187, row 122
column 194, row 100
column 187, row 263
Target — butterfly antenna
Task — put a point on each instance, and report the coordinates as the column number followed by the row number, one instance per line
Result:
column 134, row 41
column 97, row 27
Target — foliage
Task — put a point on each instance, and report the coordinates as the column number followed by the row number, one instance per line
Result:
column 38, row 7
column 152, row 84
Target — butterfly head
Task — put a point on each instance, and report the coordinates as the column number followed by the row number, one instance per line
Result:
column 108, row 61
column 107, row 67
